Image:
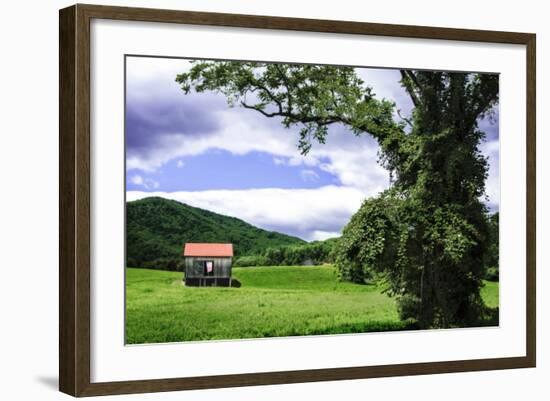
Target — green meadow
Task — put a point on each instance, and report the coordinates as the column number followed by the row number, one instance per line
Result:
column 271, row 302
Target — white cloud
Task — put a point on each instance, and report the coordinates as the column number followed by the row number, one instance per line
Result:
column 180, row 164
column 351, row 159
column 308, row 213
column 491, row 149
column 147, row 183
column 137, row 179
column 141, row 71
column 309, row 175
column 385, row 85
column 318, row 235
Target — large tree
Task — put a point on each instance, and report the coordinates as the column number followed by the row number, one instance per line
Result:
column 427, row 235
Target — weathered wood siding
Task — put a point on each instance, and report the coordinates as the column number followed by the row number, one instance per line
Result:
column 222, row 266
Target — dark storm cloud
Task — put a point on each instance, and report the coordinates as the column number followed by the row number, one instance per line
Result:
column 148, row 119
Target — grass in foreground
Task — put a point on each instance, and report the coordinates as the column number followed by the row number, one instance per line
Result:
column 272, row 302
column 489, row 293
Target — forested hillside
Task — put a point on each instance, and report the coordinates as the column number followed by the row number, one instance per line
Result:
column 157, row 228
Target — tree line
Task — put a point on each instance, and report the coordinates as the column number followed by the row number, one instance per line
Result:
column 313, row 253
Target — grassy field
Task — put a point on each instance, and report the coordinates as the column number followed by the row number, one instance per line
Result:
column 489, row 293
column 273, row 301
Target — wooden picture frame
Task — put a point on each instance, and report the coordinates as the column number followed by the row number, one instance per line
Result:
column 75, row 207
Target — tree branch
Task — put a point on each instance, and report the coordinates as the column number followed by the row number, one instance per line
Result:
column 295, row 118
column 286, row 84
column 257, row 108
column 408, row 121
column 408, row 84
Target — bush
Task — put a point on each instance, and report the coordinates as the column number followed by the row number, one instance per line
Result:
column 369, row 241
column 408, row 306
column 492, row 274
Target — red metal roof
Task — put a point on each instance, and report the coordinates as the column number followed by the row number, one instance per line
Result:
column 204, row 249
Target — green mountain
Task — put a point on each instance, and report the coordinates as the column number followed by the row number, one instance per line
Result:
column 156, row 229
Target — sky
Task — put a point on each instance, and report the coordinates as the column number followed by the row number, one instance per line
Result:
column 196, row 149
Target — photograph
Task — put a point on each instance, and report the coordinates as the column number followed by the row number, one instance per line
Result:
column 276, row 199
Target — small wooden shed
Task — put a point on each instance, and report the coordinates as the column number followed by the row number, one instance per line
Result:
column 208, row 264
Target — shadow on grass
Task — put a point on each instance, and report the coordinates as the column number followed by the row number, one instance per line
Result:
column 489, row 318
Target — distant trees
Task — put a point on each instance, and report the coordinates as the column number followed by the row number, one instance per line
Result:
column 250, row 260
column 428, row 234
column 313, row 253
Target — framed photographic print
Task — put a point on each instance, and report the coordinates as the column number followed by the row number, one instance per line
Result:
column 250, row 200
